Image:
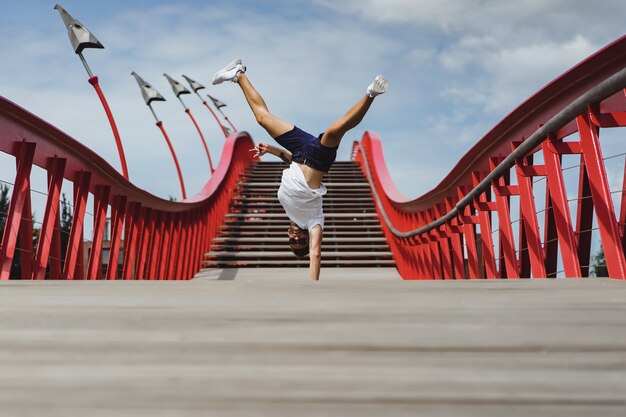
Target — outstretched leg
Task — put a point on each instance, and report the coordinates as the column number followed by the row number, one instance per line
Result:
column 335, row 132
column 274, row 125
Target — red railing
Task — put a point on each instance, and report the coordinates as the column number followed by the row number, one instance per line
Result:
column 448, row 233
column 159, row 239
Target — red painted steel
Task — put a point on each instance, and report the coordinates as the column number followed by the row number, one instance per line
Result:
column 529, row 217
column 601, row 194
column 101, row 199
column 206, row 148
column 556, row 247
column 118, row 141
column 56, row 168
column 216, row 118
column 169, row 145
column 181, row 231
column 145, row 229
column 25, row 152
column 560, row 209
column 230, row 123
column 81, row 185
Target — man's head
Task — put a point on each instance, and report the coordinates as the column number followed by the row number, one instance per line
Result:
column 298, row 240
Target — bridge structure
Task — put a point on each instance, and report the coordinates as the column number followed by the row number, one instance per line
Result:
column 504, row 211
column 420, row 310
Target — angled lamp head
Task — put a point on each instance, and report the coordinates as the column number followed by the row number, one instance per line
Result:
column 195, row 86
column 177, row 87
column 79, row 35
column 147, row 91
column 219, row 104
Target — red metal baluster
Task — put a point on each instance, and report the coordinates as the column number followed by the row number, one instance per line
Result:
column 100, row 203
column 145, row 238
column 602, row 200
column 584, row 219
column 118, row 210
column 182, row 252
column 423, row 247
column 81, row 190
column 174, row 270
column 560, row 207
column 622, row 215
column 434, row 248
column 130, row 240
column 502, row 192
column 444, row 245
column 50, row 217
column 458, row 259
column 165, row 250
column 25, row 236
column 425, row 270
column 484, row 208
column 157, row 245
column 194, row 244
column 469, row 233
column 551, row 240
column 26, row 152
column 525, row 174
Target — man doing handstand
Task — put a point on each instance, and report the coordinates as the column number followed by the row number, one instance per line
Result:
column 310, row 158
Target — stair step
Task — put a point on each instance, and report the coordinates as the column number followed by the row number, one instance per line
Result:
column 282, row 232
column 276, row 204
column 279, row 247
column 289, row 254
column 327, row 183
column 364, row 225
column 327, row 198
column 265, row 239
column 298, row 263
column 284, row 216
column 254, row 232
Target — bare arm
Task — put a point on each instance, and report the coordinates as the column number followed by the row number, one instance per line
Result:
column 315, row 252
column 262, row 148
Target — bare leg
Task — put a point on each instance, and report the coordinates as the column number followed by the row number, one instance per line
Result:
column 275, row 126
column 333, row 135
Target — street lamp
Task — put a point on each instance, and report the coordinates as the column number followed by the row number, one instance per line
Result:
column 149, row 95
column 219, row 104
column 179, row 90
column 81, row 38
column 195, row 86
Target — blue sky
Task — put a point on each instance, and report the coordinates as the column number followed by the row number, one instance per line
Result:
column 456, row 67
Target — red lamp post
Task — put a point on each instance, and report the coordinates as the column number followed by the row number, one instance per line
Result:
column 179, row 90
column 81, row 38
column 219, row 104
column 149, row 95
column 195, row 86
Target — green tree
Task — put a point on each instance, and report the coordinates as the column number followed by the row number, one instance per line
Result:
column 599, row 264
column 66, row 224
column 4, row 206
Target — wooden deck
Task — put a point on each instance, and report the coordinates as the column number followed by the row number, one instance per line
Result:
column 267, row 342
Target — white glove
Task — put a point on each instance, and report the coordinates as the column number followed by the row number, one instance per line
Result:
column 378, row 86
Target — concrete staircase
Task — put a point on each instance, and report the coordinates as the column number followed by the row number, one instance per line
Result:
column 255, row 231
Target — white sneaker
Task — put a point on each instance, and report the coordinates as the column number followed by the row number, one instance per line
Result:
column 378, row 86
column 229, row 72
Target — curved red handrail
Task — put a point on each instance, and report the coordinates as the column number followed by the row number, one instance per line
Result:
column 185, row 227
column 410, row 214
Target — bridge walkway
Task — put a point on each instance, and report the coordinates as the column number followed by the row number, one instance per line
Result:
column 268, row 342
